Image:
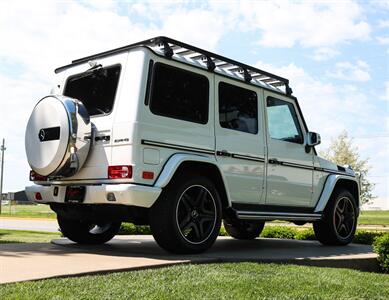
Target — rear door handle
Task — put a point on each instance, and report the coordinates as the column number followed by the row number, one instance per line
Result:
column 223, row 153
column 274, row 161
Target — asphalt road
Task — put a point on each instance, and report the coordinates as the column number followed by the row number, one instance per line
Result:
column 29, row 224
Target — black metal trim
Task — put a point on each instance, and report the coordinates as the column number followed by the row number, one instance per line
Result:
column 333, row 172
column 148, row 83
column 305, row 167
column 259, row 208
column 247, row 157
column 177, row 147
column 201, row 150
column 289, row 164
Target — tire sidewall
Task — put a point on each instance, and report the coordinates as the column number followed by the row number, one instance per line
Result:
column 171, row 199
column 79, row 231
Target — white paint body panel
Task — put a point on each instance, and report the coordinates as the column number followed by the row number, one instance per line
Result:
column 286, row 185
column 126, row 194
column 245, row 178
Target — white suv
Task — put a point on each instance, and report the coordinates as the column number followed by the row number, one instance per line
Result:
column 166, row 134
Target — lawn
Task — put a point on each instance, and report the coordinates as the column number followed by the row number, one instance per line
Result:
column 374, row 217
column 210, row 281
column 23, row 236
column 28, row 211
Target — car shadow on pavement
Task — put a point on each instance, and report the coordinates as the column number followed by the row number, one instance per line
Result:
column 353, row 256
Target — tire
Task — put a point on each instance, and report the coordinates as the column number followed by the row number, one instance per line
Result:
column 86, row 232
column 187, row 216
column 339, row 221
column 244, row 230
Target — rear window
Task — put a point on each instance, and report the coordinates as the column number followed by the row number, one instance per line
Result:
column 179, row 94
column 95, row 88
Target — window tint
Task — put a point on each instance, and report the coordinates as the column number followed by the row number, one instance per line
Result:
column 179, row 94
column 238, row 108
column 95, row 88
column 282, row 121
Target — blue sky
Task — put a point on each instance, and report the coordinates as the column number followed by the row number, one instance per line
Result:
column 335, row 53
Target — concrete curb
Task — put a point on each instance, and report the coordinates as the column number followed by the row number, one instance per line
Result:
column 62, row 258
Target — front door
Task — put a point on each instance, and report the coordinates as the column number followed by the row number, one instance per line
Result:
column 240, row 146
column 290, row 167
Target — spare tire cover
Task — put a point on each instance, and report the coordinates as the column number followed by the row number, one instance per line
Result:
column 58, row 136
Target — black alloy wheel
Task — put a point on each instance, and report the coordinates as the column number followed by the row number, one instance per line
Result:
column 196, row 214
column 186, row 218
column 339, row 220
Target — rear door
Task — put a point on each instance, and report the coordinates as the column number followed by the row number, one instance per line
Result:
column 290, row 167
column 99, row 89
column 240, row 147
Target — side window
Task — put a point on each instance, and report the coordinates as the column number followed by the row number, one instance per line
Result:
column 238, row 108
column 179, row 94
column 282, row 121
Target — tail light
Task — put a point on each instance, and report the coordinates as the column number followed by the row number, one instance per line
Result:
column 119, row 172
column 36, row 177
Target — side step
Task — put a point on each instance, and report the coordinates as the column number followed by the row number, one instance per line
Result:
column 269, row 216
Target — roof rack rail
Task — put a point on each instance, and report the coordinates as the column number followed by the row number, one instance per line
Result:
column 219, row 62
column 211, row 61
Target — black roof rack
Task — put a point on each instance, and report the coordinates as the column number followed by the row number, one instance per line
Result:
column 211, row 61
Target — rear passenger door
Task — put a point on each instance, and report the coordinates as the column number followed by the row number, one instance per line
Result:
column 240, row 147
column 290, row 167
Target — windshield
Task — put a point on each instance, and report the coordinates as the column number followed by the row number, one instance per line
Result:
column 95, row 88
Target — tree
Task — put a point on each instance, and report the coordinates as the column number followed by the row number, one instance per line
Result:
column 343, row 152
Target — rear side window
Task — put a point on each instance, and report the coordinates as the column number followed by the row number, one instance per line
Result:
column 238, row 108
column 179, row 94
column 95, row 88
column 282, row 121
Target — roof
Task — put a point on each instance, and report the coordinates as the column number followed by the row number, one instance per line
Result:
column 173, row 49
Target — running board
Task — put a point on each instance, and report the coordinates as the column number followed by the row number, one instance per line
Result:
column 268, row 216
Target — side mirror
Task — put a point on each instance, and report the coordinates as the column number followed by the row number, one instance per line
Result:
column 313, row 139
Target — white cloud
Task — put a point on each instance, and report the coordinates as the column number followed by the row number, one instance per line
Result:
column 383, row 40
column 386, row 94
column 383, row 23
column 358, row 71
column 324, row 53
column 308, row 23
column 380, row 4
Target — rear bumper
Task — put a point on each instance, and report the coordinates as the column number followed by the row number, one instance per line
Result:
column 125, row 194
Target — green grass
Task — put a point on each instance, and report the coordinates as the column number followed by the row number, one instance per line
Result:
column 374, row 217
column 211, row 281
column 28, row 211
column 23, row 236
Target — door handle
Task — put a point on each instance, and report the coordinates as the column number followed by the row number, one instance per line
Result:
column 274, row 161
column 223, row 153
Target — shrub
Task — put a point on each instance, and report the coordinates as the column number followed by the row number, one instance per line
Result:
column 129, row 228
column 305, row 234
column 279, row 232
column 381, row 247
column 366, row 237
